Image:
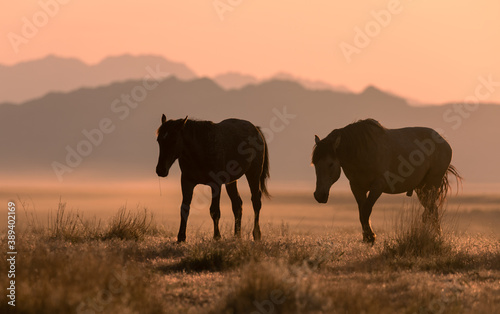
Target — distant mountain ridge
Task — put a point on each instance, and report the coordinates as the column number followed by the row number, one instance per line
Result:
column 28, row 80
column 235, row 80
column 32, row 79
column 38, row 133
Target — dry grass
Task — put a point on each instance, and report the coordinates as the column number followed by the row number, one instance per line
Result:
column 413, row 237
column 416, row 245
column 130, row 265
column 71, row 225
column 230, row 254
column 57, row 276
column 126, row 225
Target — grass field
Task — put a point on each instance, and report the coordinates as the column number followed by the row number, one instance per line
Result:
column 85, row 259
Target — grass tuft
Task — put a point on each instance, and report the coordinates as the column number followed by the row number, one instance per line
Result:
column 126, row 225
column 413, row 237
column 70, row 226
column 416, row 245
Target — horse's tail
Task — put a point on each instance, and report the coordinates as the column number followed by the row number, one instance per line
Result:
column 265, row 168
column 445, row 184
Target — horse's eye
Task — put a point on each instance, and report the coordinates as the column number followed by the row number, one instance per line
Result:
column 165, row 135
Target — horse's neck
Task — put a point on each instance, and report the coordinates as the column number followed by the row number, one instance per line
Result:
column 347, row 155
column 360, row 161
column 197, row 142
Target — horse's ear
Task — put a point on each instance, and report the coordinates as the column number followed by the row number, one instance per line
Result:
column 337, row 143
column 316, row 139
column 184, row 122
column 163, row 118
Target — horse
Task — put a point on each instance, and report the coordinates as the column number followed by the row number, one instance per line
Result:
column 215, row 154
column 378, row 160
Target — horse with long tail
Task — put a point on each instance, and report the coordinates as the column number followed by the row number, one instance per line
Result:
column 215, row 154
column 378, row 160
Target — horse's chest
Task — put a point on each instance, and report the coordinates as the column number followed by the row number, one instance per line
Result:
column 201, row 169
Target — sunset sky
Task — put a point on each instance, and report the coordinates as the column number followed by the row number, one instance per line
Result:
column 427, row 51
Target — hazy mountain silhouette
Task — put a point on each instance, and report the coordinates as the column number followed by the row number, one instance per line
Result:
column 28, row 80
column 32, row 79
column 235, row 80
column 37, row 133
column 309, row 84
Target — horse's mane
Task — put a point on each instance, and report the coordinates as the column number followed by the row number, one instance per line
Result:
column 364, row 125
column 357, row 140
column 197, row 126
column 200, row 125
column 362, row 132
column 201, row 132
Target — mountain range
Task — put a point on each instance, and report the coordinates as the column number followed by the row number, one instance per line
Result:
column 32, row 79
column 108, row 132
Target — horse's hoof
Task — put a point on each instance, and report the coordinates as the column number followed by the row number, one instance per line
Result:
column 369, row 239
column 256, row 235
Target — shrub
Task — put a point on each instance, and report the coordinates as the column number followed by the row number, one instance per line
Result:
column 126, row 225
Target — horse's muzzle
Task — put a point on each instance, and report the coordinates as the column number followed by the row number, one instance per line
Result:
column 161, row 172
column 321, row 197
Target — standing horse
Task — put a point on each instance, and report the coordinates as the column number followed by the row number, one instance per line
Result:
column 377, row 160
column 215, row 154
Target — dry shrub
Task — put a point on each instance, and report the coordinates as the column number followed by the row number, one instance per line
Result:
column 413, row 237
column 64, row 224
column 417, row 245
column 70, row 226
column 126, row 225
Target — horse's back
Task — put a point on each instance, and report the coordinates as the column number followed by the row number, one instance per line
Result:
column 410, row 139
column 236, row 124
column 239, row 140
column 236, row 129
column 416, row 153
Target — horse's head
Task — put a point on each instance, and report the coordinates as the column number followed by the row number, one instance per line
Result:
column 327, row 166
column 170, row 140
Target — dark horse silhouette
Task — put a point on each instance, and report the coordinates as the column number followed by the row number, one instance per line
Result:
column 377, row 160
column 215, row 154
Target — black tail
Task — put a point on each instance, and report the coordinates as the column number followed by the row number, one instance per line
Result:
column 265, row 168
column 445, row 184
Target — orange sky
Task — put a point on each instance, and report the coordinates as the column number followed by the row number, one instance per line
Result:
column 429, row 51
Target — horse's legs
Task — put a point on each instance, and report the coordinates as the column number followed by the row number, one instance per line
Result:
column 232, row 191
column 365, row 205
column 215, row 209
column 253, row 182
column 187, row 196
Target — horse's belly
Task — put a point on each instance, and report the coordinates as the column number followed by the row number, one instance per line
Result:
column 403, row 180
